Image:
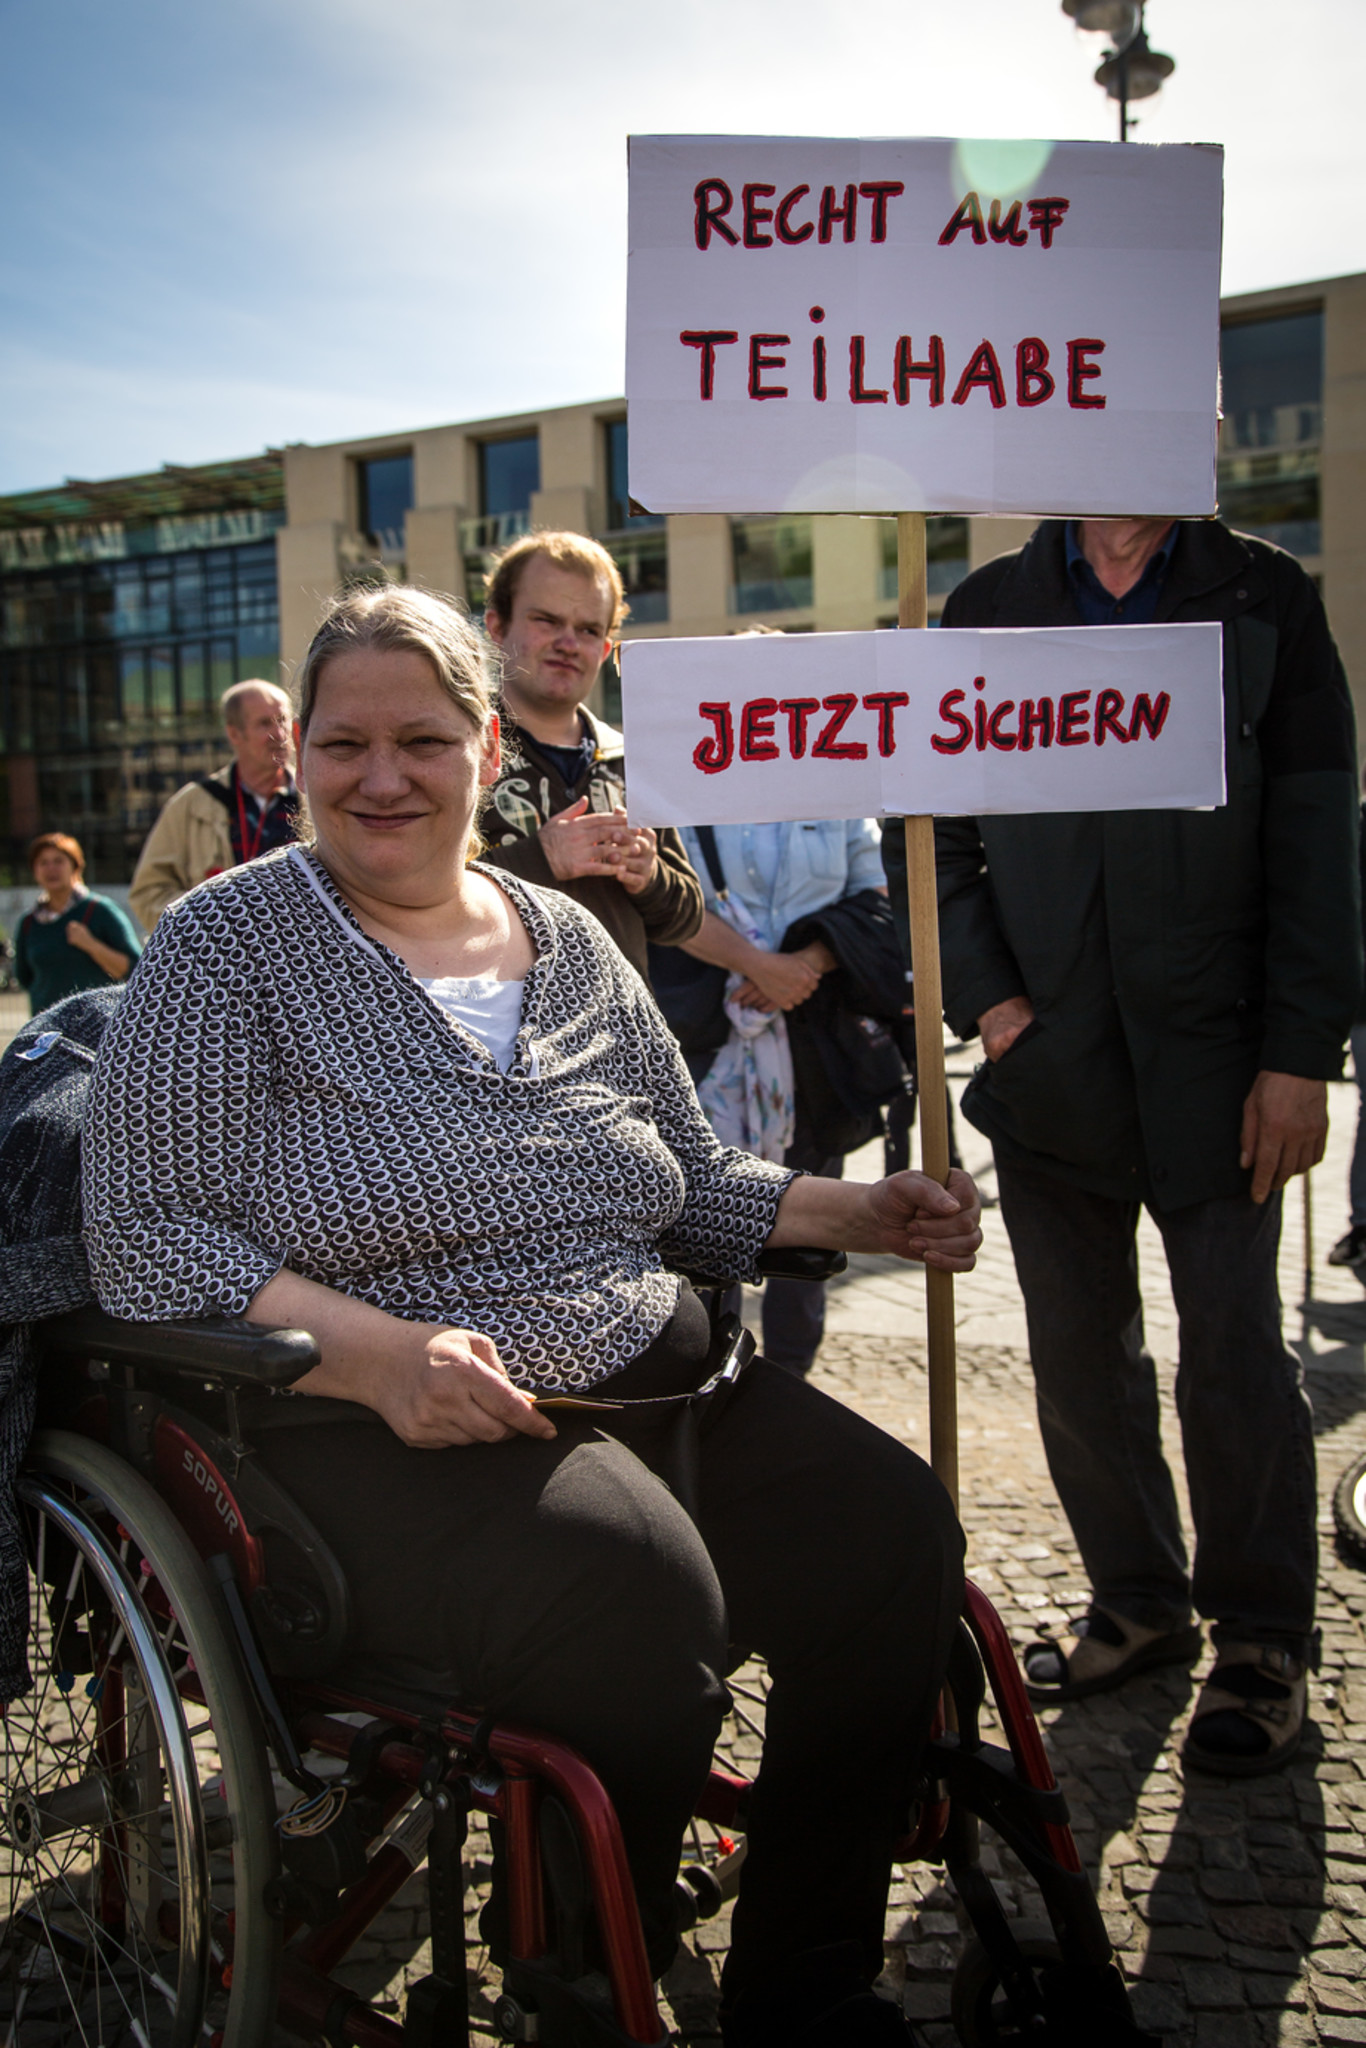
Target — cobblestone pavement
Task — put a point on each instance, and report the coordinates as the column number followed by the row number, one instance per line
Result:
column 13, row 1015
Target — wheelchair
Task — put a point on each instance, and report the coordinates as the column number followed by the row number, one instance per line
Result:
column 202, row 1817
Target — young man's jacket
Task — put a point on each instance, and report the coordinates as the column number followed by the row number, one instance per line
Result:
column 191, row 840
column 1168, row 955
column 531, row 789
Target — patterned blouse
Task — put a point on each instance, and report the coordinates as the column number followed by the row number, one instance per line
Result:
column 276, row 1089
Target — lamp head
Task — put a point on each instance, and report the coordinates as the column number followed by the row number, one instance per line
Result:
column 1148, row 70
column 1118, row 19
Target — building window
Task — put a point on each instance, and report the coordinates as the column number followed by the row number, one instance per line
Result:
column 636, row 541
column 619, row 514
column 946, row 557
column 509, row 476
column 772, row 565
column 1269, row 448
column 1273, row 381
column 385, row 493
column 643, row 560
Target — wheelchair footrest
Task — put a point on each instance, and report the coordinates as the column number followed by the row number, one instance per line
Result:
column 580, row 2011
column 437, row 2015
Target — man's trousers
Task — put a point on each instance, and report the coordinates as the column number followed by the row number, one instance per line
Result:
column 1245, row 1420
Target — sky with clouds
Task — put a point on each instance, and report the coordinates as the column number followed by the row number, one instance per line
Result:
column 233, row 225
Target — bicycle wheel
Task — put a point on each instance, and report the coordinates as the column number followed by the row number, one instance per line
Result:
column 1349, row 1511
column 138, row 1828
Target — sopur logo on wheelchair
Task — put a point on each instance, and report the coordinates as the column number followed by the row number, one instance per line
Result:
column 202, row 1819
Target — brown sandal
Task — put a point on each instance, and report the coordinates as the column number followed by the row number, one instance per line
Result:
column 1249, row 1718
column 1105, row 1650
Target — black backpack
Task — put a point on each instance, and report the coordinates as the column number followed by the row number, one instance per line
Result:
column 44, row 1082
column 692, row 993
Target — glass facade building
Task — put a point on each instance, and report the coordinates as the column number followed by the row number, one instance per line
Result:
column 128, row 607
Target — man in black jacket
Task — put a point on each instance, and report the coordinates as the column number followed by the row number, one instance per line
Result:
column 558, row 813
column 1162, row 997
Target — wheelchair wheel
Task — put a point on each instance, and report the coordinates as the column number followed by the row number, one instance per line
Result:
column 1083, row 2005
column 1349, row 1511
column 981, row 2012
column 138, row 1823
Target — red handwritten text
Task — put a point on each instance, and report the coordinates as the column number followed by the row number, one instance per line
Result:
column 759, row 739
column 760, row 224
column 1078, row 718
column 1045, row 218
column 985, row 370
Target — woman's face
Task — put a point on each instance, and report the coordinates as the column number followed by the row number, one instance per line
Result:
column 54, row 870
column 393, row 770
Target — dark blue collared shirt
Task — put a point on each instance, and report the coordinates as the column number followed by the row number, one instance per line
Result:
column 1137, row 607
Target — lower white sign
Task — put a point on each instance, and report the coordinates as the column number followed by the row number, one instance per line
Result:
column 754, row 730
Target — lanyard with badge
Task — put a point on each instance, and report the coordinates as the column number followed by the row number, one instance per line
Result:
column 251, row 848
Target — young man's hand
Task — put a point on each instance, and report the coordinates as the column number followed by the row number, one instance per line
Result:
column 578, row 841
column 639, row 858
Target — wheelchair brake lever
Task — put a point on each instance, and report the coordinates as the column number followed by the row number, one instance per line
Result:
column 282, row 1741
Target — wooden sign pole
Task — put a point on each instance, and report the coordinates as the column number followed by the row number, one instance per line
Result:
column 929, row 1043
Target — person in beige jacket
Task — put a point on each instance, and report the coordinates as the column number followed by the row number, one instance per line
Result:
column 220, row 820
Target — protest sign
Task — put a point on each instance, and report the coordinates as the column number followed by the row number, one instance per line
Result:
column 849, row 725
column 890, row 326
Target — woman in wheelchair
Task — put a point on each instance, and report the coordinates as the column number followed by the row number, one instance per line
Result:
column 369, row 1087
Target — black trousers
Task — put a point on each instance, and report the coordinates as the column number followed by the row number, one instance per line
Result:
column 1246, row 1425
column 561, row 1584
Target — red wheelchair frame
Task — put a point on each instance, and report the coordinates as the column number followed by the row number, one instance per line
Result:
column 278, row 1617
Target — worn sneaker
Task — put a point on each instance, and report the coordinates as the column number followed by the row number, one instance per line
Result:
column 1351, row 1249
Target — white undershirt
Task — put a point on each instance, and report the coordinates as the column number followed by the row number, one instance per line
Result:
column 491, row 1010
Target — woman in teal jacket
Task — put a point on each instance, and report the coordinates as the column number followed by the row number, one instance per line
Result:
column 70, row 940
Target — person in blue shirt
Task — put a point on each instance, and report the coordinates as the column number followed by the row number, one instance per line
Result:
column 71, row 939
column 776, row 875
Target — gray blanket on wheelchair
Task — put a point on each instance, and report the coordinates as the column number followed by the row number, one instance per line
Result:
column 44, row 1081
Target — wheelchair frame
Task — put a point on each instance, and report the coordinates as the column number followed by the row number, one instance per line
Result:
column 216, row 1595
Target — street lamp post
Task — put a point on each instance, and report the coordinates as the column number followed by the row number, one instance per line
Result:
column 1132, row 69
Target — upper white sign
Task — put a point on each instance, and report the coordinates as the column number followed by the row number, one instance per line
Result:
column 843, row 326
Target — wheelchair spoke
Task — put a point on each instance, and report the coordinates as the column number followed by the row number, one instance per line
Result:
column 136, row 1804
column 747, row 1720
column 747, row 1692
column 95, row 1852
column 59, row 1896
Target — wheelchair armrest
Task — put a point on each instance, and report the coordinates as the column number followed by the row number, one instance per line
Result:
column 802, row 1262
column 223, row 1348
